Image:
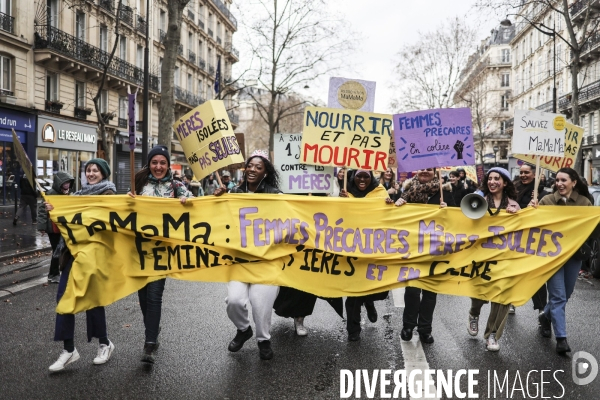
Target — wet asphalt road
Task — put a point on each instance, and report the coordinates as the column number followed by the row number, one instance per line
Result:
column 194, row 362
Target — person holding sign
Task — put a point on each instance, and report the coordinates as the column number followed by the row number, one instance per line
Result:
column 97, row 172
column 569, row 190
column 362, row 184
column 420, row 303
column 260, row 176
column 499, row 192
column 156, row 180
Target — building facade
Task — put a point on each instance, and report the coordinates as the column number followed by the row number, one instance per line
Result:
column 53, row 53
column 485, row 87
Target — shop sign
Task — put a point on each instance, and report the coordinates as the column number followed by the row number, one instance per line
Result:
column 66, row 134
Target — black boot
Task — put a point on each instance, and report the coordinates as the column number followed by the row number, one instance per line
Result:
column 265, row 352
column 240, row 338
column 545, row 325
column 406, row 334
column 371, row 311
column 149, row 353
column 562, row 346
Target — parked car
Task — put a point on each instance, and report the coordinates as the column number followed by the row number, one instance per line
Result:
column 593, row 264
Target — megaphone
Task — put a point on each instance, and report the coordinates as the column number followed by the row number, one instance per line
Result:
column 474, row 206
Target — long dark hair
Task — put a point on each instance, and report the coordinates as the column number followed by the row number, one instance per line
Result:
column 580, row 187
column 272, row 178
column 141, row 178
column 509, row 189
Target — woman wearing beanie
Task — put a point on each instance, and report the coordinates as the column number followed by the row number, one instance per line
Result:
column 156, row 179
column 260, row 176
column 97, row 172
column 500, row 194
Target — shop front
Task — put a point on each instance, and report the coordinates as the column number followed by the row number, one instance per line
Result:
column 64, row 145
column 122, row 158
column 10, row 171
column 593, row 159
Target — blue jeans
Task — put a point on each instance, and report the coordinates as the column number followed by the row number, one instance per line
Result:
column 151, row 304
column 65, row 323
column 560, row 288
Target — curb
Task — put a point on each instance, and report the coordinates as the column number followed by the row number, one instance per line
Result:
column 9, row 256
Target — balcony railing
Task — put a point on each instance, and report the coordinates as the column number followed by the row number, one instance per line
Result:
column 54, row 106
column 126, row 15
column 108, row 5
column 210, row 32
column 122, row 122
column 578, row 6
column 226, row 12
column 187, row 97
column 180, row 50
column 545, row 107
column 202, row 63
column 140, row 24
column 191, row 15
column 49, row 37
column 162, row 35
column 229, row 47
column 192, row 57
column 7, row 23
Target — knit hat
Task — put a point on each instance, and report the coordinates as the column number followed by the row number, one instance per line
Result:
column 159, row 151
column 225, row 173
column 103, row 165
column 503, row 172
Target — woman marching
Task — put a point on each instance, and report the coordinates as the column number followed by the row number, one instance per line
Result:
column 156, row 180
column 388, row 181
column 569, row 190
column 97, row 172
column 260, row 176
column 499, row 192
column 362, row 184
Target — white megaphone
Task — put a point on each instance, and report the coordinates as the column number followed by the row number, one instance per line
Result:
column 474, row 206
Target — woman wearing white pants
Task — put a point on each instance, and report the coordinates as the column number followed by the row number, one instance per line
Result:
column 259, row 177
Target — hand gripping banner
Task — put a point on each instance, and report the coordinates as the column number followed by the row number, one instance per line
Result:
column 331, row 247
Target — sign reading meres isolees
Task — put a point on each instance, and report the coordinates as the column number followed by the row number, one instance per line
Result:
column 297, row 177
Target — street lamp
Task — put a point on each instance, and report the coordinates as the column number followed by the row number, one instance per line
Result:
column 495, row 148
column 550, row 32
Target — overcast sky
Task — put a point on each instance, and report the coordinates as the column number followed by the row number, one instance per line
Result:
column 384, row 26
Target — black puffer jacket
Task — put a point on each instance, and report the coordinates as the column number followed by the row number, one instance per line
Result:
column 525, row 193
column 43, row 219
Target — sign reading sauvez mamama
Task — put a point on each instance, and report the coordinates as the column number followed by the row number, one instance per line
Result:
column 538, row 133
column 345, row 138
column 325, row 246
column 207, row 138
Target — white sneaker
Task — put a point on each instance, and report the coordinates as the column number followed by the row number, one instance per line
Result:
column 299, row 324
column 64, row 359
column 511, row 309
column 104, row 353
column 473, row 327
column 492, row 343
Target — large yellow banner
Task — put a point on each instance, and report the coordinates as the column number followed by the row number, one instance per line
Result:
column 331, row 247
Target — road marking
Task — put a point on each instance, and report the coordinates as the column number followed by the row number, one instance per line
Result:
column 412, row 352
column 23, row 286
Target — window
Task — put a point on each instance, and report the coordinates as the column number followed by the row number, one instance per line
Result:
column 52, row 13
column 123, row 48
column 80, row 25
column 209, row 94
column 503, row 127
column 79, row 94
column 103, row 37
column 191, row 41
column 190, row 83
column 51, row 86
column 200, row 88
column 139, row 57
column 6, row 74
column 163, row 21
column 506, row 55
column 123, row 105
column 104, row 101
column 200, row 49
column 591, row 129
column 176, row 77
column 503, row 103
column 160, row 60
column 505, row 79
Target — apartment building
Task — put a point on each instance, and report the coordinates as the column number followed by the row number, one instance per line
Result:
column 52, row 56
column 485, row 87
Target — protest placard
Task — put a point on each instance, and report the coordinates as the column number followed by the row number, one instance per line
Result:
column 297, row 177
column 538, row 133
column 433, row 138
column 207, row 138
column 573, row 138
column 26, row 165
column 345, row 138
column 353, row 94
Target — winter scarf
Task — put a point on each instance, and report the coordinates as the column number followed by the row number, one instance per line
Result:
column 421, row 192
column 353, row 189
column 98, row 188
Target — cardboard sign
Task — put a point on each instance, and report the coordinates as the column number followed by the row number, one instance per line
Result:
column 352, row 94
column 26, row 165
column 392, row 163
column 345, row 138
column 573, row 138
column 538, row 133
column 207, row 138
column 297, row 177
column 434, row 138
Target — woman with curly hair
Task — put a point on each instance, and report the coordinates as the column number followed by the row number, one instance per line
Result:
column 260, row 176
column 500, row 194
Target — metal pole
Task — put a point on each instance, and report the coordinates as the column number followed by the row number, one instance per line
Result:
column 554, row 88
column 146, row 122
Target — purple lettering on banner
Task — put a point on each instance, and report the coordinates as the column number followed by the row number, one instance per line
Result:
column 351, row 247
column 321, row 221
column 257, row 225
column 531, row 240
column 389, row 240
column 370, row 275
column 244, row 223
column 434, row 138
column 378, row 239
column 555, row 236
column 542, row 243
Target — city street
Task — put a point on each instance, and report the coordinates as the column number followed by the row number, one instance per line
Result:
column 193, row 361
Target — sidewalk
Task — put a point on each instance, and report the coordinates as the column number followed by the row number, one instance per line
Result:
column 22, row 239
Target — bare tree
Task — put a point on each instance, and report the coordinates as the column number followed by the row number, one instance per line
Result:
column 166, row 108
column 428, row 71
column 293, row 42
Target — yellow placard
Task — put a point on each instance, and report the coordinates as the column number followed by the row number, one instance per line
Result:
column 325, row 246
column 207, row 138
column 573, row 139
column 345, row 138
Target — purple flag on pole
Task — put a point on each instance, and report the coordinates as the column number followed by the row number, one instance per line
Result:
column 131, row 98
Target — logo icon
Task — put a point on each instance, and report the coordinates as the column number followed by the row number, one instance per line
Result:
column 48, row 133
column 584, row 368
